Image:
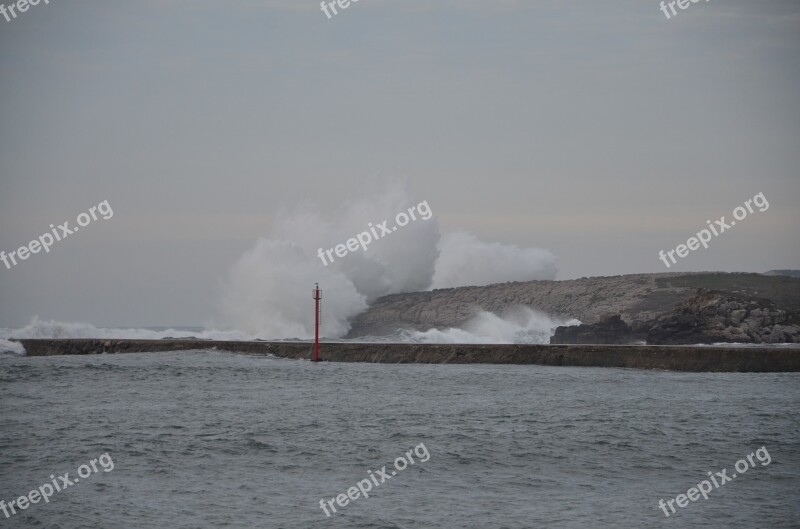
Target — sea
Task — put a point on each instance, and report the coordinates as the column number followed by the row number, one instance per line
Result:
column 211, row 439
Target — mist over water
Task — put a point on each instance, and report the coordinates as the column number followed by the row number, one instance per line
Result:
column 465, row 260
column 264, row 291
column 267, row 293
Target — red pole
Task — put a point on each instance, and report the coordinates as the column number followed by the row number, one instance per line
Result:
column 316, row 323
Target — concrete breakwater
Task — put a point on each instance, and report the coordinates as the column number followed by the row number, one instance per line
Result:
column 677, row 358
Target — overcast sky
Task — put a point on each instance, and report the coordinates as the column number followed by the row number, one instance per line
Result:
column 598, row 130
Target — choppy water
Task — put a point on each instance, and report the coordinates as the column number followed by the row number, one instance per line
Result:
column 210, row 439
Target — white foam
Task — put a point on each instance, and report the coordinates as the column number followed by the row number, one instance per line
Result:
column 518, row 325
column 56, row 329
column 8, row 347
column 268, row 291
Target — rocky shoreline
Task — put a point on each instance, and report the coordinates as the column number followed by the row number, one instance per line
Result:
column 669, row 308
column 708, row 317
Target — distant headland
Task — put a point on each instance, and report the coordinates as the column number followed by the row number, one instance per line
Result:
column 667, row 308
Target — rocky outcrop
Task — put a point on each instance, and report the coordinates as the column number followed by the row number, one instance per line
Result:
column 611, row 329
column 639, row 300
column 715, row 317
column 587, row 299
column 710, row 316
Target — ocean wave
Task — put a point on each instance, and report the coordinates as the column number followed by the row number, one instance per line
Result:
column 8, row 347
column 56, row 329
column 517, row 325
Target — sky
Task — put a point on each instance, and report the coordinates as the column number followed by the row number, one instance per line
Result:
column 600, row 131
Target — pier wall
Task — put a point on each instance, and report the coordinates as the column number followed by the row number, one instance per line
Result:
column 677, row 358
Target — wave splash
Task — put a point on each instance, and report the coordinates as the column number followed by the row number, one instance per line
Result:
column 520, row 324
column 42, row 329
column 11, row 348
column 265, row 290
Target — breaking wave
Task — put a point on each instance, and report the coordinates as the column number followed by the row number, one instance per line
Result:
column 518, row 325
column 266, row 291
column 7, row 347
column 55, row 329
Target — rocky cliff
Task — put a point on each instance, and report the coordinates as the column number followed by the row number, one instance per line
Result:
column 639, row 300
column 712, row 316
